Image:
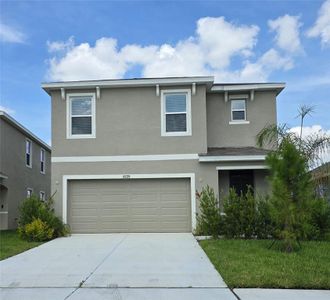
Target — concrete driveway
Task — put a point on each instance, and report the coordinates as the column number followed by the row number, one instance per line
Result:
column 113, row 266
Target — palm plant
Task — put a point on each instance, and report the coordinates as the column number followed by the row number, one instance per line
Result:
column 292, row 191
column 311, row 147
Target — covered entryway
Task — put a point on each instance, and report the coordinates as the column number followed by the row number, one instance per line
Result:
column 132, row 205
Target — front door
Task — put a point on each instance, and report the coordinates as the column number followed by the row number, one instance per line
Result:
column 240, row 180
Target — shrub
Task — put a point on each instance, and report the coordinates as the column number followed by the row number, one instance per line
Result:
column 33, row 209
column 37, row 231
column 264, row 224
column 233, row 210
column 320, row 220
column 208, row 221
column 246, row 216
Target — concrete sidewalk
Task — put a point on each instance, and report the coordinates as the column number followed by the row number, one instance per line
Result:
column 282, row 294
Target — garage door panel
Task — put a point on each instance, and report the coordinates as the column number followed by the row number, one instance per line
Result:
column 139, row 205
column 81, row 212
column 173, row 212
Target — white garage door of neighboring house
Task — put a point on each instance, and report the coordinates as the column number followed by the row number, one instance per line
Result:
column 135, row 205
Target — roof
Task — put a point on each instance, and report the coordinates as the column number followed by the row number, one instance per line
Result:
column 322, row 171
column 233, row 154
column 163, row 81
column 224, row 151
column 23, row 129
column 133, row 82
column 228, row 87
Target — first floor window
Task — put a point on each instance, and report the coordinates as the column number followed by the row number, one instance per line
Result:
column 42, row 161
column 176, row 113
column 81, row 115
column 42, row 196
column 28, row 153
column 238, row 110
column 29, row 192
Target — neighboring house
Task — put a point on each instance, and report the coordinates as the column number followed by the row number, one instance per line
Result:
column 24, row 168
column 129, row 155
column 321, row 177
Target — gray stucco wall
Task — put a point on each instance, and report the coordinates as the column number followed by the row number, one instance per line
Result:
column 128, row 122
column 20, row 177
column 260, row 112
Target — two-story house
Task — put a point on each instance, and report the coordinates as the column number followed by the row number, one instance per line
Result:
column 24, row 168
column 129, row 155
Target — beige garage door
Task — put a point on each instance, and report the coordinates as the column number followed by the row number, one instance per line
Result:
column 134, row 205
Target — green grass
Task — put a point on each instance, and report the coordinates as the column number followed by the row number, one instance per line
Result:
column 248, row 263
column 11, row 244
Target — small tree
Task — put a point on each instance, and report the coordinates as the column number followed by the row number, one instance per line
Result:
column 292, row 191
column 208, row 221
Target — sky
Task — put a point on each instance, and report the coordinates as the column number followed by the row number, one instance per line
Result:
column 235, row 41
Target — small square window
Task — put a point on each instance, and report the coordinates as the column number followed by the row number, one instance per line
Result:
column 238, row 110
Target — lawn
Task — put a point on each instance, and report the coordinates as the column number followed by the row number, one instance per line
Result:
column 11, row 244
column 248, row 263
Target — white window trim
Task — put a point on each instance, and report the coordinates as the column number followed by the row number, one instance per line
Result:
column 29, row 189
column 232, row 121
column 188, row 113
column 191, row 176
column 68, row 117
column 44, row 151
column 30, row 165
column 44, row 195
column 238, row 122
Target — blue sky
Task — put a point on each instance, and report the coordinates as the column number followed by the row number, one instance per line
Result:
column 248, row 41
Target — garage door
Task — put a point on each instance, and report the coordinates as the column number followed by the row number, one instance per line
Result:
column 135, row 205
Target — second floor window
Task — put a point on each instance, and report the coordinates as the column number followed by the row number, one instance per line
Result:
column 28, row 153
column 42, row 161
column 81, row 116
column 176, row 113
column 238, row 110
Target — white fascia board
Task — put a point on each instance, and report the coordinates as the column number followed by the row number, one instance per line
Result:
column 26, row 132
column 124, row 158
column 245, row 167
column 231, row 158
column 247, row 87
column 128, row 82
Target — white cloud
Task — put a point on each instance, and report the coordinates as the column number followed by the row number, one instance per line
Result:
column 220, row 40
column 287, row 32
column 321, row 28
column 209, row 52
column 7, row 110
column 58, row 46
column 11, row 35
column 312, row 130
